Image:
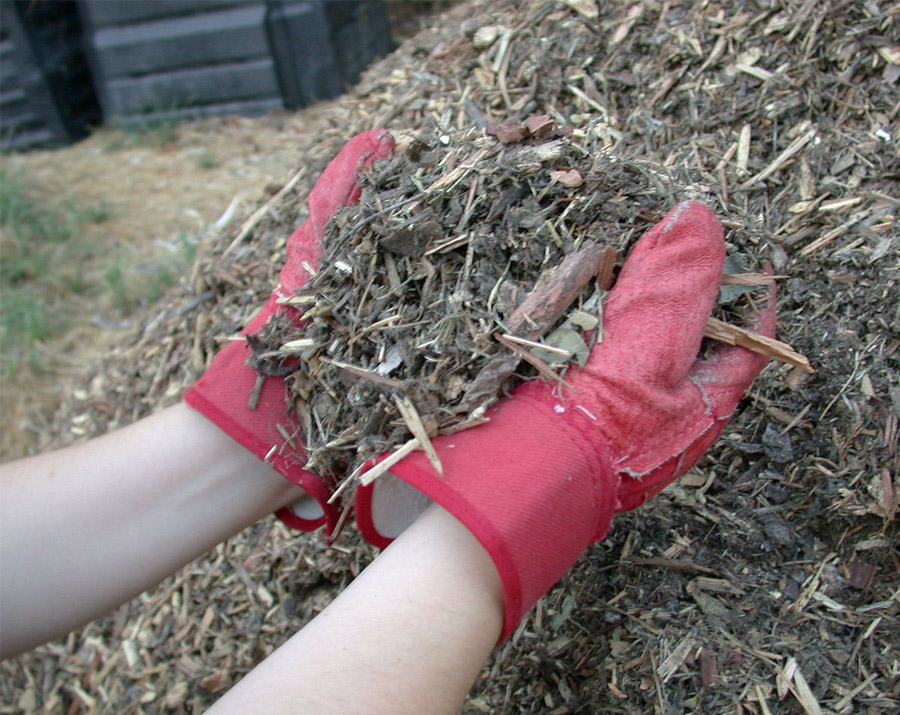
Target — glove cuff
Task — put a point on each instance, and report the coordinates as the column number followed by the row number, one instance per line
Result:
column 527, row 485
column 222, row 395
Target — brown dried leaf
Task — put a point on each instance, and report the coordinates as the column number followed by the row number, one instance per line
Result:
column 539, row 124
column 570, row 178
column 860, row 574
column 508, row 133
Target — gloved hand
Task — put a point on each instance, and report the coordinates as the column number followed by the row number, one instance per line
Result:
column 272, row 429
column 545, row 477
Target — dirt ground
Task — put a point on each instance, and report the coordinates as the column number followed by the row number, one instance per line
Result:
column 158, row 188
column 768, row 579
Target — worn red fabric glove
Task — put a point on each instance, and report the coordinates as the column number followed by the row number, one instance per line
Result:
column 222, row 394
column 544, row 478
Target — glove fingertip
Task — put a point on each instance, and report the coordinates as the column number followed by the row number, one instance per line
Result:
column 339, row 184
column 384, row 143
column 691, row 221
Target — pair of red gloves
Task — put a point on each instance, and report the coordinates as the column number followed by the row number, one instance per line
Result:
column 545, row 476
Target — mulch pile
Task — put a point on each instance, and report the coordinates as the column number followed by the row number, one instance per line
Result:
column 767, row 579
column 465, row 256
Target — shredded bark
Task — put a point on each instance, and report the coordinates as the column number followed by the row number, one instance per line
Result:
column 457, row 240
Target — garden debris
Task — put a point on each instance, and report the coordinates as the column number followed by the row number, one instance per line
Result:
column 459, row 243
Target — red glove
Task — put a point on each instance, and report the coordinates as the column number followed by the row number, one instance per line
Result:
column 544, row 478
column 222, row 394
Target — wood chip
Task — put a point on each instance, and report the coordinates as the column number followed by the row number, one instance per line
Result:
column 794, row 148
column 367, row 477
column 414, row 423
column 732, row 335
column 749, row 279
column 606, row 272
column 543, row 368
column 570, row 178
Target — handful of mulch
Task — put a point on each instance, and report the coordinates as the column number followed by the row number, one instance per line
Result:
column 470, row 264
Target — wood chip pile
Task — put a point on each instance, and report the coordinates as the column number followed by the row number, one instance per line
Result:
column 767, row 579
column 463, row 255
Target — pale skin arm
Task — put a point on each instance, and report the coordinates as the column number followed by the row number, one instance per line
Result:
column 409, row 635
column 86, row 528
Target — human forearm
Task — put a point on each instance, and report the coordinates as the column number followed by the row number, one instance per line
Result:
column 410, row 635
column 86, row 528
